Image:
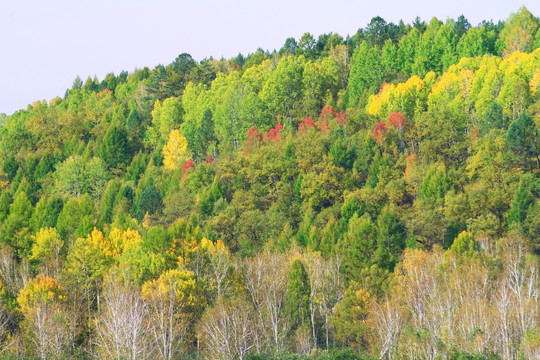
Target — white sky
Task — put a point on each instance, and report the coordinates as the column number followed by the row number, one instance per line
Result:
column 45, row 44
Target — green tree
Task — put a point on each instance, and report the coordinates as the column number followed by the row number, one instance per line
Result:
column 350, row 317
column 523, row 199
column 46, row 213
column 133, row 125
column 407, row 49
column 435, row 184
column 15, row 230
column 115, row 148
column 477, row 41
column 70, row 177
column 366, row 72
column 76, row 218
column 10, row 167
column 358, row 246
column 521, row 138
column 107, row 202
column 96, row 176
column 518, row 33
column 306, row 45
column 391, row 239
column 149, row 202
column 298, row 293
column 283, row 90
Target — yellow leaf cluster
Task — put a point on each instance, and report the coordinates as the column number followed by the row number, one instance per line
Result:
column 40, row 290
column 47, row 242
column 397, row 98
column 118, row 242
column 535, row 82
column 176, row 284
column 175, row 151
column 121, row 241
column 213, row 248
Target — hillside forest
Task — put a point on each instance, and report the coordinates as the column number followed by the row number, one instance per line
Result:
column 368, row 197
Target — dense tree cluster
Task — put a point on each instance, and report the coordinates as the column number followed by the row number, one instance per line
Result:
column 369, row 197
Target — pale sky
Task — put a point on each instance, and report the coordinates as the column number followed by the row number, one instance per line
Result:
column 45, row 44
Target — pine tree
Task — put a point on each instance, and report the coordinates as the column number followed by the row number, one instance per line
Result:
column 298, row 291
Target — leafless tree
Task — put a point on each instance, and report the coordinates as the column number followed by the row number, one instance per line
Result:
column 389, row 321
column 228, row 331
column 14, row 275
column 122, row 329
column 265, row 279
column 327, row 290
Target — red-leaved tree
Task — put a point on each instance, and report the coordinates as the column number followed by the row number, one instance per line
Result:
column 327, row 113
column 397, row 120
column 273, row 134
column 188, row 165
column 306, row 124
column 379, row 134
column 253, row 139
column 342, row 117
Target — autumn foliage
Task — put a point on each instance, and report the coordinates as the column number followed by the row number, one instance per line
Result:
column 168, row 214
column 327, row 113
column 188, row 165
column 342, row 117
column 397, row 120
column 306, row 124
column 253, row 139
column 379, row 134
column 273, row 134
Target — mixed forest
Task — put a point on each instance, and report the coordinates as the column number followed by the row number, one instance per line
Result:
column 367, row 197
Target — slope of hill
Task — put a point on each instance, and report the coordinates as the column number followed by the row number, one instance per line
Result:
column 375, row 196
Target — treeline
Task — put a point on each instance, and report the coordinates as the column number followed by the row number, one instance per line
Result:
column 369, row 197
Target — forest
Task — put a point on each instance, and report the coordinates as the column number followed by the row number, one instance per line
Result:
column 369, row 197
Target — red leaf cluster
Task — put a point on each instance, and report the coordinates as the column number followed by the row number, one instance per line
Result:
column 323, row 125
column 188, row 165
column 379, row 134
column 253, row 139
column 209, row 160
column 304, row 126
column 327, row 113
column 397, row 120
column 342, row 117
column 273, row 134
column 253, row 136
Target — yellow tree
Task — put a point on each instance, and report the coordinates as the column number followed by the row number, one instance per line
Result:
column 175, row 151
column 41, row 303
column 121, row 241
column 46, row 250
column 175, row 300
